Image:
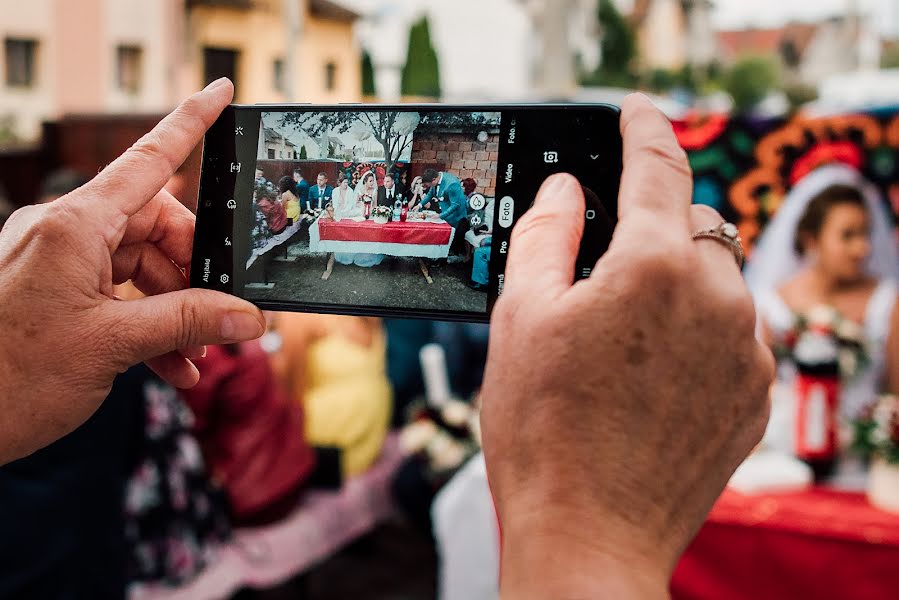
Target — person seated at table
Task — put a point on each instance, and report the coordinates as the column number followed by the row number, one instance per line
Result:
column 388, row 194
column 318, row 196
column 416, row 193
column 260, row 177
column 367, row 190
column 289, row 200
column 302, row 187
column 334, row 366
column 346, row 205
column 251, row 434
column 267, row 203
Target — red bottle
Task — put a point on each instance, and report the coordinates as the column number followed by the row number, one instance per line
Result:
column 817, row 402
column 404, row 212
column 367, row 204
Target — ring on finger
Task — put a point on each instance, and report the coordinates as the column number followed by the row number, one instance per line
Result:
column 727, row 234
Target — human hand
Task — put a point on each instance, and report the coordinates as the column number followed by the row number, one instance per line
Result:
column 64, row 335
column 616, row 408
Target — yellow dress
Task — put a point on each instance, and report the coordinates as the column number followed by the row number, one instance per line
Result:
column 293, row 210
column 345, row 392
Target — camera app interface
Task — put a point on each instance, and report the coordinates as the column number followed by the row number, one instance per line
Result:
column 392, row 208
column 374, row 208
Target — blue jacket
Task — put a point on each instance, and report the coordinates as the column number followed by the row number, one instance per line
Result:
column 302, row 191
column 453, row 207
column 312, row 196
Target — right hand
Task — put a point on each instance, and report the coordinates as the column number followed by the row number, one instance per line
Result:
column 616, row 408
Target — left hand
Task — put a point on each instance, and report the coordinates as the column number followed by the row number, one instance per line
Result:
column 65, row 336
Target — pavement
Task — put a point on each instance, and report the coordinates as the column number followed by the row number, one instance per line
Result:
column 396, row 282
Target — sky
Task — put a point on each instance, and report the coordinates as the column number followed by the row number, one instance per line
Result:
column 740, row 13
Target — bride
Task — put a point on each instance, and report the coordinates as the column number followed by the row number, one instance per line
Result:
column 832, row 244
column 348, row 204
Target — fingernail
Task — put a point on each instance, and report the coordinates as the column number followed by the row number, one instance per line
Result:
column 240, row 327
column 215, row 84
column 194, row 353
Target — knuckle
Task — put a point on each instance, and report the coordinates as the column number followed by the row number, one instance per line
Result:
column 666, row 150
column 150, row 149
column 706, row 214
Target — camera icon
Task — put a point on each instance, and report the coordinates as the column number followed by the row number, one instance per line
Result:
column 551, row 157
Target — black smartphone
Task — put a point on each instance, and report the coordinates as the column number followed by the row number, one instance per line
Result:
column 390, row 210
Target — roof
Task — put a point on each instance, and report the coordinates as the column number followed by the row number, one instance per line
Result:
column 766, row 41
column 332, row 11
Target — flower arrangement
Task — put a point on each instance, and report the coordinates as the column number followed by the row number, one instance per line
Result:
column 822, row 340
column 444, row 438
column 381, row 214
column 877, row 431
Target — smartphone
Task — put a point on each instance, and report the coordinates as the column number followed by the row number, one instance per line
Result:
column 390, row 210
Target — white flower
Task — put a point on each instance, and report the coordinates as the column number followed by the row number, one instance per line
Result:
column 849, row 330
column 815, row 348
column 821, row 315
column 455, row 413
column 416, row 436
column 445, row 452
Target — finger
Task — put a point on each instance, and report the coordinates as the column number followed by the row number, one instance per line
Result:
column 656, row 184
column 155, row 325
column 175, row 370
column 545, row 241
column 165, row 222
column 194, row 353
column 130, row 181
column 716, row 255
column 151, row 271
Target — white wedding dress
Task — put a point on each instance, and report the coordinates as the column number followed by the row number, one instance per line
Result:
column 774, row 261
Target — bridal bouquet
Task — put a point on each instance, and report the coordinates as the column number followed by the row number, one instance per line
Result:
column 877, row 431
column 822, row 341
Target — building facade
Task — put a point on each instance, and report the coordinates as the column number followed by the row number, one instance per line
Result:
column 60, row 57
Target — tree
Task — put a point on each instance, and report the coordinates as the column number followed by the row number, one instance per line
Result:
column 421, row 74
column 303, row 155
column 750, row 79
column 368, row 75
column 392, row 130
column 618, row 48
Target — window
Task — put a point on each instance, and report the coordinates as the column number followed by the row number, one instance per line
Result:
column 221, row 62
column 20, row 59
column 330, row 76
column 278, row 75
column 128, row 68
column 271, row 153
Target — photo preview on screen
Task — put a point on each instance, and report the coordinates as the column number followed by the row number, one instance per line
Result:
column 388, row 208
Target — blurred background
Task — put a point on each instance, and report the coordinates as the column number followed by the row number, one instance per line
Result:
column 283, row 476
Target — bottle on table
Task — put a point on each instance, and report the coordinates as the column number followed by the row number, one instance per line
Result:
column 405, row 211
column 397, row 210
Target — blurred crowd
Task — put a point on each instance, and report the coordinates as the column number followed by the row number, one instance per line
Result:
column 158, row 479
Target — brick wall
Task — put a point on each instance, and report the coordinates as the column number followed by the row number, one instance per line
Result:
column 460, row 154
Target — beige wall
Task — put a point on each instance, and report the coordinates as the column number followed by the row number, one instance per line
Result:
column 662, row 37
column 32, row 19
column 76, row 55
column 259, row 37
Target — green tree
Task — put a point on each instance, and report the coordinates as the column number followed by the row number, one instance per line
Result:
column 421, row 75
column 618, row 48
column 368, row 75
column 890, row 58
column 303, row 155
column 750, row 79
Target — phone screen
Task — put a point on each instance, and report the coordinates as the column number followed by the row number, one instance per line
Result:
column 390, row 210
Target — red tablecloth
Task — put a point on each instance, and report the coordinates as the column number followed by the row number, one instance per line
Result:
column 819, row 544
column 409, row 232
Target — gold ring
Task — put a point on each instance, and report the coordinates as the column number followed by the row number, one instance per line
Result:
column 728, row 234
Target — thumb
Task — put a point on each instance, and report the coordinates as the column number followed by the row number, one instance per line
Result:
column 155, row 325
column 545, row 242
